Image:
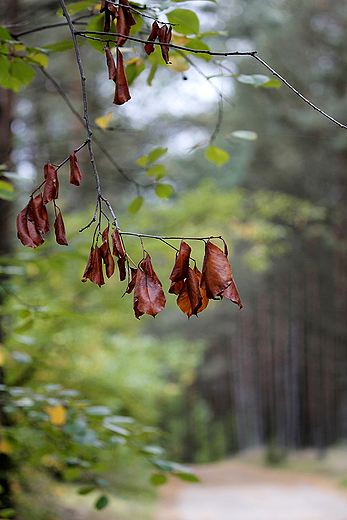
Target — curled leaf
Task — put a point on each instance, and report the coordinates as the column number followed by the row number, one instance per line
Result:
column 40, row 213
column 232, row 294
column 180, row 269
column 176, row 287
column 149, row 47
column 118, row 249
column 110, row 62
column 164, row 36
column 190, row 299
column 217, row 274
column 121, row 266
column 122, row 94
column 106, row 253
column 51, row 188
column 59, row 229
column 93, row 270
column 124, row 21
column 149, row 296
column 22, row 228
column 75, row 173
column 132, row 282
column 205, row 300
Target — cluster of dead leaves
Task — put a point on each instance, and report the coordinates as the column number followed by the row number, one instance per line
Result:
column 125, row 20
column 33, row 220
column 193, row 288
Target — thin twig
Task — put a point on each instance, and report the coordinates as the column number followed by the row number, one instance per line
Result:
column 252, row 54
column 219, row 120
column 84, row 95
column 172, row 45
column 103, row 149
column 139, row 235
column 297, row 92
column 44, row 27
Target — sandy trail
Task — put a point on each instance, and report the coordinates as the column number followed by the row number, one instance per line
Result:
column 232, row 490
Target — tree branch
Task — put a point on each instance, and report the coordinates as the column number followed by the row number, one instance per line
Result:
column 252, row 54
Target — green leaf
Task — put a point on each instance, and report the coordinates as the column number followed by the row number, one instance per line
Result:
column 133, row 70
column 152, row 74
column 76, row 7
column 61, row 46
column 135, row 205
column 217, row 155
column 134, row 29
column 164, row 191
column 22, row 357
column 187, row 477
column 22, row 71
column 142, row 161
column 259, row 80
column 197, row 44
column 247, row 135
column 158, row 479
column 37, row 59
column 85, row 490
column 163, row 465
column 155, row 154
column 71, row 474
column 6, row 190
column 154, row 450
column 157, row 170
column 272, row 83
column 98, row 410
column 97, row 24
column 116, row 429
column 186, row 21
column 4, row 34
column 101, row 502
column 7, row 513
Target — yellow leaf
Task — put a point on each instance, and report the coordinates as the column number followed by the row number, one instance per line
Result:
column 131, row 60
column 4, row 446
column 57, row 414
column 2, row 356
column 178, row 63
column 104, row 121
column 179, row 40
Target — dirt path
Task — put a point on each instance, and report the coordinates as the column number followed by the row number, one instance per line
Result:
column 235, row 491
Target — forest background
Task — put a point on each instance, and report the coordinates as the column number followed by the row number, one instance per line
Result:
column 274, row 373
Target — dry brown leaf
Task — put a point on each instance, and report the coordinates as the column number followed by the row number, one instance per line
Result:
column 122, row 94
column 93, row 270
column 75, row 173
column 180, row 269
column 51, row 188
column 118, row 249
column 106, row 253
column 149, row 47
column 40, row 213
column 216, row 271
column 217, row 278
column 59, row 229
column 132, row 282
column 122, row 269
column 164, row 36
column 190, row 299
column 149, row 296
column 232, row 294
column 110, row 62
